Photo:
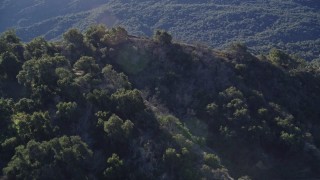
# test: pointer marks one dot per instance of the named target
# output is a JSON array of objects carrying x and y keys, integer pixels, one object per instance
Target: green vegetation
[
  {"x": 291, "y": 25},
  {"x": 102, "y": 104},
  {"x": 58, "y": 158}
]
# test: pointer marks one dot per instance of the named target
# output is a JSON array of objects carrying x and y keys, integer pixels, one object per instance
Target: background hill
[
  {"x": 103, "y": 104},
  {"x": 291, "y": 25}
]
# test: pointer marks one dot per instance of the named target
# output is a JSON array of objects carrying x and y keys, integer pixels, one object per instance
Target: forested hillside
[
  {"x": 290, "y": 25},
  {"x": 106, "y": 105}
]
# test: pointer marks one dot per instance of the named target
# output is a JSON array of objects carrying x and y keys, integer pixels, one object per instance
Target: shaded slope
[{"x": 155, "y": 109}]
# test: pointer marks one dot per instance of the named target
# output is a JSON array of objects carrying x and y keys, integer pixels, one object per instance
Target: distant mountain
[{"x": 292, "y": 25}]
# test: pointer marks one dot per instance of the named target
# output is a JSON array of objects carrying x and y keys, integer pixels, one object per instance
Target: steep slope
[
  {"x": 104, "y": 104},
  {"x": 291, "y": 25}
]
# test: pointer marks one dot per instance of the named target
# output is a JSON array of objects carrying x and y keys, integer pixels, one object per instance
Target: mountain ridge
[{"x": 292, "y": 26}]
